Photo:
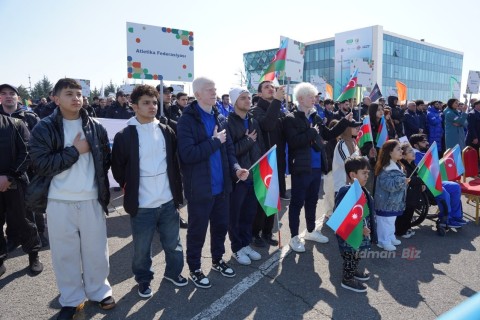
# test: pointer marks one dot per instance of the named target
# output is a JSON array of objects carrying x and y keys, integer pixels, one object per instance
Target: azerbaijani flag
[
  {"x": 365, "y": 133},
  {"x": 451, "y": 165},
  {"x": 347, "y": 218},
  {"x": 349, "y": 90},
  {"x": 277, "y": 64},
  {"x": 429, "y": 170},
  {"x": 265, "y": 182},
  {"x": 382, "y": 134}
]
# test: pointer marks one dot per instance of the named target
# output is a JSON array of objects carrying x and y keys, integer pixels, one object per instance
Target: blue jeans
[
  {"x": 304, "y": 192},
  {"x": 165, "y": 220}
]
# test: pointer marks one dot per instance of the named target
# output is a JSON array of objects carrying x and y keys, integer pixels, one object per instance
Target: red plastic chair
[{"x": 471, "y": 189}]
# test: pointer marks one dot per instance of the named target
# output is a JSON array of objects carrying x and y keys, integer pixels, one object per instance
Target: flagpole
[{"x": 266, "y": 153}]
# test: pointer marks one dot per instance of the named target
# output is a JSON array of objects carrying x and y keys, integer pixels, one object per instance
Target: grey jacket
[{"x": 390, "y": 191}]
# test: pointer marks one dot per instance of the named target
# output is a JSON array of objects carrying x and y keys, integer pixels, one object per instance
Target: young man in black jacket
[
  {"x": 248, "y": 143},
  {"x": 145, "y": 164},
  {"x": 70, "y": 154},
  {"x": 307, "y": 160},
  {"x": 269, "y": 116}
]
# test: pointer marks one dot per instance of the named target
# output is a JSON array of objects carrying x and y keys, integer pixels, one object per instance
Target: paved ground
[{"x": 439, "y": 273}]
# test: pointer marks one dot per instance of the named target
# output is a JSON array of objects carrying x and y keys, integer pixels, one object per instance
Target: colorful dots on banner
[
  {"x": 130, "y": 30},
  {"x": 184, "y": 66},
  {"x": 137, "y": 40},
  {"x": 186, "y": 37},
  {"x": 129, "y": 58}
]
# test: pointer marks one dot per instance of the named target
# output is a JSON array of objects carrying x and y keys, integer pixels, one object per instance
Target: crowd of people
[{"x": 197, "y": 151}]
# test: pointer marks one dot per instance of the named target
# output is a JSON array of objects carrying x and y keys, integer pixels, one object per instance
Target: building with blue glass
[{"x": 429, "y": 71}]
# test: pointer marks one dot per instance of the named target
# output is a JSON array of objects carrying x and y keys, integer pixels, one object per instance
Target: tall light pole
[{"x": 243, "y": 79}]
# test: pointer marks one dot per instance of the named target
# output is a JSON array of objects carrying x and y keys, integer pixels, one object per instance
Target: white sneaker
[
  {"x": 252, "y": 254},
  {"x": 241, "y": 257},
  {"x": 396, "y": 242},
  {"x": 410, "y": 233},
  {"x": 297, "y": 244},
  {"x": 387, "y": 247},
  {"x": 315, "y": 235}
]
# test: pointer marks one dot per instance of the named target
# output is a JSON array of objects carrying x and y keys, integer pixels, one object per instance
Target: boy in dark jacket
[
  {"x": 356, "y": 168},
  {"x": 248, "y": 143},
  {"x": 71, "y": 156},
  {"x": 145, "y": 164}
]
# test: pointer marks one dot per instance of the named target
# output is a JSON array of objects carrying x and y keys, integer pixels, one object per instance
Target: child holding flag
[
  {"x": 390, "y": 193},
  {"x": 356, "y": 168}
]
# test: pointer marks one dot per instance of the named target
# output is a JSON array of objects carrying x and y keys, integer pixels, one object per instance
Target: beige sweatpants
[{"x": 78, "y": 244}]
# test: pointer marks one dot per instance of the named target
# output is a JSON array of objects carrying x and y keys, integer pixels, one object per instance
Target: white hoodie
[{"x": 154, "y": 189}]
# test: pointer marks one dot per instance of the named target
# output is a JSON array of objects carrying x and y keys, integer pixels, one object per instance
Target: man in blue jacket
[{"x": 207, "y": 161}]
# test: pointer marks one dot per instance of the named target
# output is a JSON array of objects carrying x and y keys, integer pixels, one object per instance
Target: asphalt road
[{"x": 428, "y": 275}]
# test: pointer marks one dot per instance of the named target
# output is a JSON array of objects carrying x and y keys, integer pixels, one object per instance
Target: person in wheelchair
[
  {"x": 403, "y": 224},
  {"x": 451, "y": 213}
]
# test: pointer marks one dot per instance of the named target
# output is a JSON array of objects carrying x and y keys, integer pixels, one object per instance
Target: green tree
[
  {"x": 93, "y": 93},
  {"x": 23, "y": 93},
  {"x": 110, "y": 88},
  {"x": 41, "y": 89}
]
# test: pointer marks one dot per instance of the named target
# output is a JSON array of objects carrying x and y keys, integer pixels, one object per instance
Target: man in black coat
[
  {"x": 269, "y": 116},
  {"x": 473, "y": 134}
]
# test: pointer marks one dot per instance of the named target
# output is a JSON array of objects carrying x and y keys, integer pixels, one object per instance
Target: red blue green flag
[
  {"x": 265, "y": 182},
  {"x": 451, "y": 165},
  {"x": 277, "y": 64},
  {"x": 429, "y": 170},
  {"x": 365, "y": 133},
  {"x": 382, "y": 133},
  {"x": 349, "y": 90},
  {"x": 347, "y": 218}
]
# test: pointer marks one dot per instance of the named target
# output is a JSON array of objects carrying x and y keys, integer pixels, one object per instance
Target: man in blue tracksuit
[
  {"x": 207, "y": 161},
  {"x": 450, "y": 197}
]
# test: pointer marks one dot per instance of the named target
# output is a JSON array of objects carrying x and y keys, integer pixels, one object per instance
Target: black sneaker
[
  {"x": 35, "y": 266},
  {"x": 268, "y": 238},
  {"x": 67, "y": 313},
  {"x": 199, "y": 279},
  {"x": 354, "y": 285},
  {"x": 258, "y": 242},
  {"x": 178, "y": 281},
  {"x": 43, "y": 240},
  {"x": 3, "y": 269},
  {"x": 224, "y": 269},
  {"x": 362, "y": 276},
  {"x": 144, "y": 290},
  {"x": 183, "y": 223},
  {"x": 107, "y": 303}
]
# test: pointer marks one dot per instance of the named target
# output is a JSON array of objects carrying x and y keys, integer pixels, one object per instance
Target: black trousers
[
  {"x": 282, "y": 168},
  {"x": 12, "y": 205},
  {"x": 404, "y": 222},
  {"x": 262, "y": 222},
  {"x": 350, "y": 263}
]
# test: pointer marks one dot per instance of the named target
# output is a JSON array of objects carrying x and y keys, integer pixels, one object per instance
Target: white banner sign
[
  {"x": 156, "y": 53},
  {"x": 85, "y": 87},
  {"x": 294, "y": 60},
  {"x": 112, "y": 126},
  {"x": 473, "y": 81}
]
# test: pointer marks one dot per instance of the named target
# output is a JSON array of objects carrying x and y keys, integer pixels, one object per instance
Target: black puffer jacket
[
  {"x": 29, "y": 118},
  {"x": 301, "y": 136},
  {"x": 50, "y": 157},
  {"x": 247, "y": 151},
  {"x": 269, "y": 117}
]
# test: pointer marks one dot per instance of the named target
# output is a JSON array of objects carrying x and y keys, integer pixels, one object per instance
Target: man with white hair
[
  {"x": 208, "y": 162},
  {"x": 305, "y": 132}
]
